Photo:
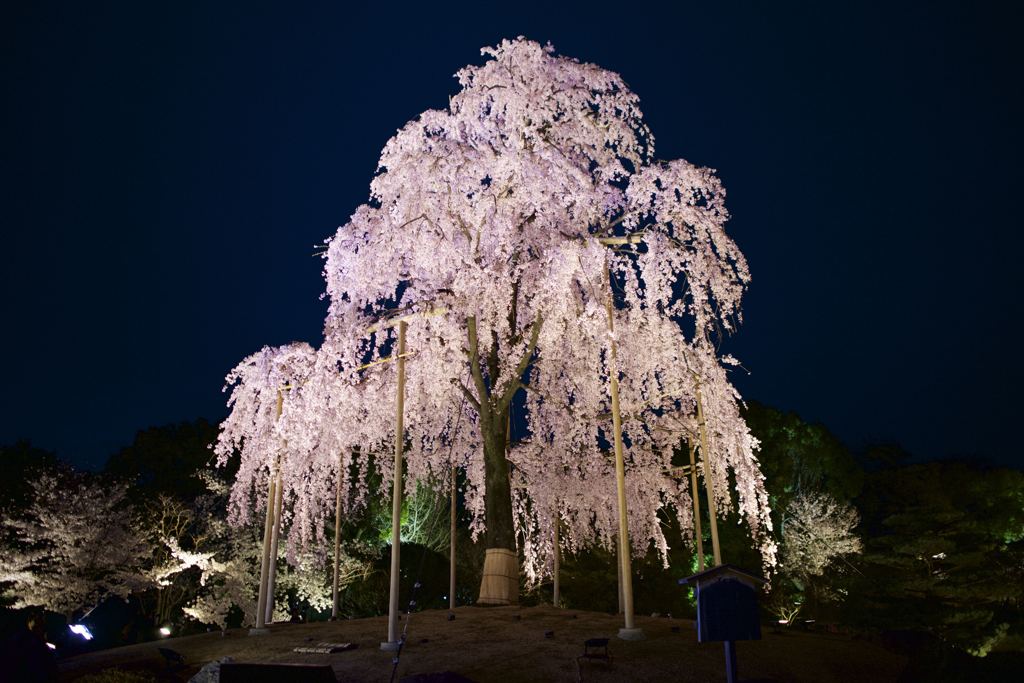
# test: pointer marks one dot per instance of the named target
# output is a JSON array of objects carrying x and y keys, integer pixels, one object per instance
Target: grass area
[{"x": 508, "y": 644}]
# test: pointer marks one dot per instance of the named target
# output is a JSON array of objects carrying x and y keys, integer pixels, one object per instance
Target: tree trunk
[
  {"x": 500, "y": 532},
  {"x": 499, "y": 584}
]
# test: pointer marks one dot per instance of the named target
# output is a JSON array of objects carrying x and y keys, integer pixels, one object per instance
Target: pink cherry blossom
[{"x": 501, "y": 227}]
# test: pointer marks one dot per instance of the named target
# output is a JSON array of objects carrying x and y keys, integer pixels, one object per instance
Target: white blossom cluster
[
  {"x": 73, "y": 546},
  {"x": 817, "y": 529}
]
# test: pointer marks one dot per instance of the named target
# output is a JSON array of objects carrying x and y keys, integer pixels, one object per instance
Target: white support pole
[
  {"x": 451, "y": 532},
  {"x": 618, "y": 574},
  {"x": 630, "y": 632},
  {"x": 695, "y": 494},
  {"x": 556, "y": 599},
  {"x": 272, "y": 576},
  {"x": 709, "y": 482},
  {"x": 268, "y": 524},
  {"x": 261, "y": 602},
  {"x": 396, "y": 496},
  {"x": 337, "y": 541}
]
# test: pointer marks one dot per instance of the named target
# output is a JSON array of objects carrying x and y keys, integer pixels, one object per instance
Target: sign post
[{"x": 726, "y": 609}]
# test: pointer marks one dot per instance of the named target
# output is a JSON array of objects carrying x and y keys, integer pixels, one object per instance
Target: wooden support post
[
  {"x": 268, "y": 523},
  {"x": 695, "y": 494},
  {"x": 618, "y": 574},
  {"x": 451, "y": 532},
  {"x": 630, "y": 632},
  {"x": 709, "y": 479},
  {"x": 272, "y": 576},
  {"x": 396, "y": 497},
  {"x": 337, "y": 540},
  {"x": 556, "y": 598}
]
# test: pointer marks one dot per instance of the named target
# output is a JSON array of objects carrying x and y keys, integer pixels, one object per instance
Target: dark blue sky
[{"x": 167, "y": 173}]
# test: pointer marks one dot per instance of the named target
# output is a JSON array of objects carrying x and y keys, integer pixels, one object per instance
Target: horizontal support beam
[
  {"x": 632, "y": 238},
  {"x": 386, "y": 360},
  {"x": 387, "y": 324}
]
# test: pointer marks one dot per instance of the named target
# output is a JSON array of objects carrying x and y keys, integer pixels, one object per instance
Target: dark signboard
[
  {"x": 727, "y": 610},
  {"x": 726, "y": 604}
]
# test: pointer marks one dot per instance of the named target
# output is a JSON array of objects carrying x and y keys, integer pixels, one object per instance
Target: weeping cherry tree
[{"x": 531, "y": 241}]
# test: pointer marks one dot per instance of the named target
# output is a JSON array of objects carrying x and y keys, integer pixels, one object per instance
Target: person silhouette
[{"x": 27, "y": 656}]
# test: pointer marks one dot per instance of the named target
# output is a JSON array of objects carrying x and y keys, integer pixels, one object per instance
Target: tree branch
[
  {"x": 514, "y": 381},
  {"x": 421, "y": 217},
  {"x": 493, "y": 363},
  {"x": 474, "y": 362},
  {"x": 469, "y": 395},
  {"x": 513, "y": 313}
]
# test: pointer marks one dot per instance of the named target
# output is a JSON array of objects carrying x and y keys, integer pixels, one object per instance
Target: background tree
[
  {"x": 796, "y": 455},
  {"x": 164, "y": 460},
  {"x": 22, "y": 464},
  {"x": 227, "y": 584},
  {"x": 817, "y": 533},
  {"x": 75, "y": 543},
  {"x": 817, "y": 530},
  {"x": 944, "y": 553},
  {"x": 227, "y": 563},
  {"x": 424, "y": 520},
  {"x": 182, "y": 540}
]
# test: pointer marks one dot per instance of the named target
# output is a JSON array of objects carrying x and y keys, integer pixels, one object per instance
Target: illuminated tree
[
  {"x": 514, "y": 229},
  {"x": 178, "y": 539},
  {"x": 260, "y": 386},
  {"x": 817, "y": 530},
  {"x": 76, "y": 543},
  {"x": 227, "y": 574},
  {"x": 233, "y": 558}
]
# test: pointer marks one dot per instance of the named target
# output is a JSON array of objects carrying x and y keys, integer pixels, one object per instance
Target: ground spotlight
[{"x": 82, "y": 630}]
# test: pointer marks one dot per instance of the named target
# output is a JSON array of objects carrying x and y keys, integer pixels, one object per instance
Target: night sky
[{"x": 167, "y": 173}]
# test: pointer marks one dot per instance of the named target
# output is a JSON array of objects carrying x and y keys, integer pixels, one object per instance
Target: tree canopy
[{"x": 532, "y": 241}]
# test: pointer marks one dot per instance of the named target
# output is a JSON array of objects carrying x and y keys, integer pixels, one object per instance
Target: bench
[{"x": 593, "y": 649}]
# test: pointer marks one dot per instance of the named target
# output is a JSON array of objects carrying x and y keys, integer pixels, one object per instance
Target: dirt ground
[{"x": 509, "y": 645}]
